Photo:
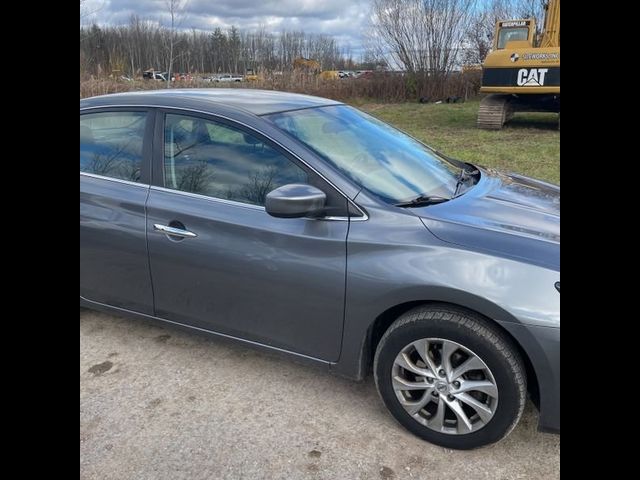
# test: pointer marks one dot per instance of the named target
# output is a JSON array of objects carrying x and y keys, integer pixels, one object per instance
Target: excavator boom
[{"x": 551, "y": 34}]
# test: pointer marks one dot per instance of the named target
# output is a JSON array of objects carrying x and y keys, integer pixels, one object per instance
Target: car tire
[{"x": 463, "y": 335}]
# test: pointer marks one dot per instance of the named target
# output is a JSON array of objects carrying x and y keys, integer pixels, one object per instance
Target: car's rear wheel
[{"x": 450, "y": 377}]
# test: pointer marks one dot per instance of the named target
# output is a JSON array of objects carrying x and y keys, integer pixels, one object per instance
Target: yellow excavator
[
  {"x": 522, "y": 72},
  {"x": 307, "y": 65}
]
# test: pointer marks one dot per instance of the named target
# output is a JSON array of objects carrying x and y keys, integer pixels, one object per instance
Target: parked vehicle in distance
[
  {"x": 303, "y": 226},
  {"x": 364, "y": 74},
  {"x": 227, "y": 78},
  {"x": 155, "y": 75}
]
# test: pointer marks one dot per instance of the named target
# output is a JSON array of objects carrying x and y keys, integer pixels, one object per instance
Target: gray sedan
[{"x": 303, "y": 226}]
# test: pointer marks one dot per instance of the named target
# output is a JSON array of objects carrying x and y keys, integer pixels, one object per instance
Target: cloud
[{"x": 343, "y": 19}]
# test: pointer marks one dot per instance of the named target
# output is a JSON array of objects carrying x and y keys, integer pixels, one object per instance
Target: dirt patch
[
  {"x": 387, "y": 473},
  {"x": 315, "y": 453},
  {"x": 101, "y": 368}
]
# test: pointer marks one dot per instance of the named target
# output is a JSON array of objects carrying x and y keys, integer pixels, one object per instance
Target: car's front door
[
  {"x": 114, "y": 185},
  {"x": 234, "y": 269}
]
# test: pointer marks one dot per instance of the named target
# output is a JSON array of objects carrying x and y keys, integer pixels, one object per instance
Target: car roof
[{"x": 258, "y": 102}]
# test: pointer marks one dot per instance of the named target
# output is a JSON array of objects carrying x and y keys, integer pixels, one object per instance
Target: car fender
[{"x": 406, "y": 266}]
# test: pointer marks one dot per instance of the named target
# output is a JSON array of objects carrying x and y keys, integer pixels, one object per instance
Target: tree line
[
  {"x": 141, "y": 45},
  {"x": 426, "y": 39}
]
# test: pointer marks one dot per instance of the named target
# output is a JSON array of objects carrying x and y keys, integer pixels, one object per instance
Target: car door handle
[{"x": 177, "y": 232}]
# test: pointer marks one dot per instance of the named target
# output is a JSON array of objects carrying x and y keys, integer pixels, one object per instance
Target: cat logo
[{"x": 531, "y": 77}]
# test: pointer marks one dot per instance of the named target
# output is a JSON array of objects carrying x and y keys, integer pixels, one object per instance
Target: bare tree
[
  {"x": 86, "y": 12},
  {"x": 260, "y": 184},
  {"x": 422, "y": 36},
  {"x": 195, "y": 177},
  {"x": 480, "y": 31},
  {"x": 532, "y": 8},
  {"x": 176, "y": 9}
]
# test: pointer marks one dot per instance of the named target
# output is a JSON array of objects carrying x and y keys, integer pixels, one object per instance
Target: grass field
[{"x": 529, "y": 144}]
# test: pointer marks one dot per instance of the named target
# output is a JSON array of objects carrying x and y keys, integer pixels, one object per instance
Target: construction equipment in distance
[
  {"x": 522, "y": 72},
  {"x": 306, "y": 65},
  {"x": 251, "y": 75}
]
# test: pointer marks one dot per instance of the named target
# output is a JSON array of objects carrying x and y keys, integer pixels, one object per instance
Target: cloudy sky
[{"x": 343, "y": 19}]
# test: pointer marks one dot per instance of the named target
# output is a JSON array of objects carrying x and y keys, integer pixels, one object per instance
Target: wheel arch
[{"x": 384, "y": 320}]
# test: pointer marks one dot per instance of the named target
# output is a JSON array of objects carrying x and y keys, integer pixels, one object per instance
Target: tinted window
[
  {"x": 111, "y": 144},
  {"x": 213, "y": 159}
]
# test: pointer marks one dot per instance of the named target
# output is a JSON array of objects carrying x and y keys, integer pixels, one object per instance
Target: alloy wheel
[{"x": 444, "y": 386}]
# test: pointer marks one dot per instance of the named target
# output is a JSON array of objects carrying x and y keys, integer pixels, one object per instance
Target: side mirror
[{"x": 295, "y": 200}]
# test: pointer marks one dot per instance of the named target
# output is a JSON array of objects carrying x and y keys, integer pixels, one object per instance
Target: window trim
[
  {"x": 146, "y": 164},
  {"x": 225, "y": 201},
  {"x": 116, "y": 180}
]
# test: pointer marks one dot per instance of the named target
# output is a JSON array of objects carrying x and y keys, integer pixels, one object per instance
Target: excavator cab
[{"x": 515, "y": 33}]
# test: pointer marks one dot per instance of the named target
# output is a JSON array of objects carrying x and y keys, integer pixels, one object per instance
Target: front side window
[
  {"x": 220, "y": 161},
  {"x": 507, "y": 35},
  {"x": 373, "y": 154},
  {"x": 111, "y": 144}
]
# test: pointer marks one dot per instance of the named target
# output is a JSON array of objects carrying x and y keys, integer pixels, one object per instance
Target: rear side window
[
  {"x": 111, "y": 144},
  {"x": 214, "y": 159}
]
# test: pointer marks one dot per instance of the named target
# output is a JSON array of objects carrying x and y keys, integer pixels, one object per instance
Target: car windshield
[{"x": 373, "y": 154}]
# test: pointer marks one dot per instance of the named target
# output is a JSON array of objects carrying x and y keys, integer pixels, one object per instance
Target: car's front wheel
[{"x": 450, "y": 377}]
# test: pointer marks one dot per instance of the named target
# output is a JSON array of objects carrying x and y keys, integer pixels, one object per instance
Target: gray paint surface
[
  {"x": 240, "y": 275},
  {"x": 314, "y": 288},
  {"x": 113, "y": 244},
  {"x": 257, "y": 102}
]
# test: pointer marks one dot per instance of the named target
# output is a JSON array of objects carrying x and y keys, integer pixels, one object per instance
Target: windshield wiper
[
  {"x": 464, "y": 175},
  {"x": 422, "y": 200}
]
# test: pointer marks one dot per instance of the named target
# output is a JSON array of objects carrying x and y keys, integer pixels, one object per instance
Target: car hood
[{"x": 509, "y": 214}]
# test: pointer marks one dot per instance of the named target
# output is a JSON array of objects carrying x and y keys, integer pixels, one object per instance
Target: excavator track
[{"x": 494, "y": 111}]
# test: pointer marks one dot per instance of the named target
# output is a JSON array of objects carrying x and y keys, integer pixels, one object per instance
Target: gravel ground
[{"x": 158, "y": 403}]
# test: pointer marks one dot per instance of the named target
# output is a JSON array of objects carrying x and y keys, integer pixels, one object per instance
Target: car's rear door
[
  {"x": 115, "y": 154},
  {"x": 235, "y": 269}
]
